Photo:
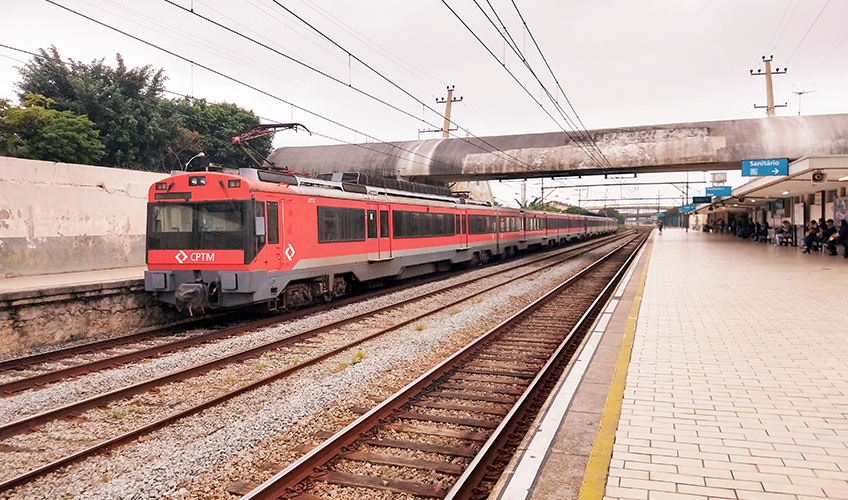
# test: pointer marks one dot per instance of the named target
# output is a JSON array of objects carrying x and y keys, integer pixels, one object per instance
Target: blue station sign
[
  {"x": 719, "y": 191},
  {"x": 685, "y": 209},
  {"x": 660, "y": 215},
  {"x": 755, "y": 168},
  {"x": 702, "y": 199}
]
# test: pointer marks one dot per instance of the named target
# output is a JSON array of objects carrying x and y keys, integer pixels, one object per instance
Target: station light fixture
[
  {"x": 753, "y": 201},
  {"x": 785, "y": 192},
  {"x": 844, "y": 178}
]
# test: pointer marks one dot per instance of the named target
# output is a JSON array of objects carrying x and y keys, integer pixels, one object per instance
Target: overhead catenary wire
[
  {"x": 808, "y": 32},
  {"x": 335, "y": 139},
  {"x": 513, "y": 47},
  {"x": 33, "y": 54},
  {"x": 366, "y": 65},
  {"x": 235, "y": 80},
  {"x": 558, "y": 85},
  {"x": 776, "y": 28},
  {"x": 582, "y": 127},
  {"x": 509, "y": 40}
]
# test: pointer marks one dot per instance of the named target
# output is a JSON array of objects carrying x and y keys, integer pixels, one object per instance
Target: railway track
[
  {"x": 117, "y": 351},
  {"x": 450, "y": 433},
  {"x": 23, "y": 425}
]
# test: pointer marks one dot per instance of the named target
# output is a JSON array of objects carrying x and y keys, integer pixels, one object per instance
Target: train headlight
[
  {"x": 197, "y": 180},
  {"x": 233, "y": 183},
  {"x": 161, "y": 186}
]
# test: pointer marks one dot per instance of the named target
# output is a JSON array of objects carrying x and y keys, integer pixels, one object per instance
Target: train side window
[
  {"x": 259, "y": 213},
  {"x": 372, "y": 224},
  {"x": 384, "y": 223},
  {"x": 340, "y": 224},
  {"x": 273, "y": 223},
  {"x": 457, "y": 225}
]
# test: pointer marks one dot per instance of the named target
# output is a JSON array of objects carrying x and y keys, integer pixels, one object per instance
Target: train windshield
[{"x": 196, "y": 226}]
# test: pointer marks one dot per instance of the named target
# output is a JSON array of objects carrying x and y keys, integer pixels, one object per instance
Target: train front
[{"x": 201, "y": 239}]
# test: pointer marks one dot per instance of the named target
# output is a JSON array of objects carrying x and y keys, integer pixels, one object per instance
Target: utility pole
[
  {"x": 769, "y": 89},
  {"x": 447, "y": 102},
  {"x": 524, "y": 193}
]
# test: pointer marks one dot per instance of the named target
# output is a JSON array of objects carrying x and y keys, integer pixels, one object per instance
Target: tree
[
  {"x": 125, "y": 104},
  {"x": 36, "y": 132},
  {"x": 216, "y": 124},
  {"x": 139, "y": 128}
]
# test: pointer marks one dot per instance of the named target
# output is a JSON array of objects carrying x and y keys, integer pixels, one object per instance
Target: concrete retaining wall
[
  {"x": 61, "y": 217},
  {"x": 35, "y": 318}
]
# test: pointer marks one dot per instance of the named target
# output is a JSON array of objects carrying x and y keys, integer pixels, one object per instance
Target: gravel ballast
[{"x": 183, "y": 459}]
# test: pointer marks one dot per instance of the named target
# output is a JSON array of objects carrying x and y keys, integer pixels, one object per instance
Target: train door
[
  {"x": 275, "y": 240},
  {"x": 385, "y": 244},
  {"x": 372, "y": 240},
  {"x": 462, "y": 229}
]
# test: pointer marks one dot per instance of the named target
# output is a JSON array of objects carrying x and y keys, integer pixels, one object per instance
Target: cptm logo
[{"x": 195, "y": 257}]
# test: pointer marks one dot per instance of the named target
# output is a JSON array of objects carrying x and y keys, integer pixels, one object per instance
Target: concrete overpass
[{"x": 719, "y": 145}]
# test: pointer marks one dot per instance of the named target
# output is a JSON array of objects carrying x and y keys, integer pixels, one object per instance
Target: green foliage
[
  {"x": 139, "y": 128},
  {"x": 215, "y": 125},
  {"x": 33, "y": 131}
]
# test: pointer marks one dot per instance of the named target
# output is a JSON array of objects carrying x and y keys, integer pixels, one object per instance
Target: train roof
[{"x": 336, "y": 186}]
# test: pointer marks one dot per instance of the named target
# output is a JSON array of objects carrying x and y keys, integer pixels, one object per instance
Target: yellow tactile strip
[{"x": 595, "y": 479}]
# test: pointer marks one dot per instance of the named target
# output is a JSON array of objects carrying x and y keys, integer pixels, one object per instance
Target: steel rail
[
  {"x": 131, "y": 435},
  {"x": 279, "y": 485},
  {"x": 463, "y": 488},
  {"x": 109, "y": 362}
]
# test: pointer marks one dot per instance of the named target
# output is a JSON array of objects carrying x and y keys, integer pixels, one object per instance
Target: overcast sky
[{"x": 620, "y": 63}]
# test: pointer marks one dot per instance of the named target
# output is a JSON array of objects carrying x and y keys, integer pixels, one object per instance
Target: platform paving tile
[{"x": 738, "y": 384}]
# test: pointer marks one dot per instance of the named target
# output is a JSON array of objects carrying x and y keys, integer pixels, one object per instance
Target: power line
[
  {"x": 808, "y": 31},
  {"x": 828, "y": 57},
  {"x": 556, "y": 80},
  {"x": 503, "y": 64},
  {"x": 788, "y": 21},
  {"x": 223, "y": 75},
  {"x": 513, "y": 46},
  {"x": 351, "y": 55},
  {"x": 776, "y": 28}
]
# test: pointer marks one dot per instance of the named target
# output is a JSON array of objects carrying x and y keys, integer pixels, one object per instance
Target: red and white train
[{"x": 222, "y": 239}]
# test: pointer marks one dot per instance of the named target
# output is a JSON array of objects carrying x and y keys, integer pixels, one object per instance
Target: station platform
[
  {"x": 719, "y": 371},
  {"x": 64, "y": 280}
]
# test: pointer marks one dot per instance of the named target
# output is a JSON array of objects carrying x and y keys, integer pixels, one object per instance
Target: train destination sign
[
  {"x": 755, "y": 168},
  {"x": 702, "y": 199},
  {"x": 719, "y": 191},
  {"x": 685, "y": 209}
]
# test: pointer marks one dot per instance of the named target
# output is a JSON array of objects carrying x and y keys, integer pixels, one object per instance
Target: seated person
[
  {"x": 829, "y": 236},
  {"x": 812, "y": 236},
  {"x": 842, "y": 237},
  {"x": 762, "y": 232},
  {"x": 784, "y": 232}
]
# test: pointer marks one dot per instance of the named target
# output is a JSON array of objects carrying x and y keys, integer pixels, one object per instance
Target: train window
[
  {"x": 273, "y": 223},
  {"x": 259, "y": 213},
  {"x": 482, "y": 224},
  {"x": 372, "y": 224},
  {"x": 384, "y": 223},
  {"x": 464, "y": 224},
  {"x": 202, "y": 226},
  {"x": 457, "y": 225},
  {"x": 510, "y": 224},
  {"x": 340, "y": 224},
  {"x": 422, "y": 224}
]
